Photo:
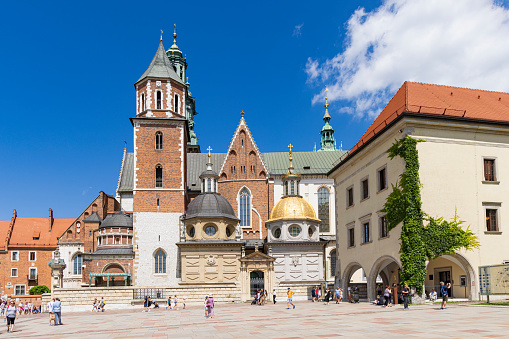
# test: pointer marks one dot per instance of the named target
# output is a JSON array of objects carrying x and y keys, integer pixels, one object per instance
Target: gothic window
[
  {"x": 245, "y": 208},
  {"x": 159, "y": 99},
  {"x": 333, "y": 263},
  {"x": 176, "y": 103},
  {"x": 160, "y": 262},
  {"x": 159, "y": 176},
  {"x": 159, "y": 140},
  {"x": 77, "y": 263},
  {"x": 323, "y": 209}
]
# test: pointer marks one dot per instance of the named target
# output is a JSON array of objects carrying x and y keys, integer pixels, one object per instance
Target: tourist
[
  {"x": 145, "y": 304},
  {"x": 169, "y": 302},
  {"x": 405, "y": 292},
  {"x": 445, "y": 294},
  {"x": 337, "y": 295},
  {"x": 274, "y": 296},
  {"x": 289, "y": 301},
  {"x": 433, "y": 296},
  {"x": 11, "y": 314},
  {"x": 349, "y": 294},
  {"x": 2, "y": 309},
  {"x": 340, "y": 295},
  {"x": 50, "y": 311},
  {"x": 319, "y": 294},
  {"x": 327, "y": 296},
  {"x": 101, "y": 305},
  {"x": 210, "y": 305},
  {"x": 387, "y": 296},
  {"x": 206, "y": 307},
  {"x": 265, "y": 296},
  {"x": 175, "y": 302},
  {"x": 94, "y": 305},
  {"x": 57, "y": 309},
  {"x": 183, "y": 303},
  {"x": 313, "y": 294},
  {"x": 378, "y": 300}
]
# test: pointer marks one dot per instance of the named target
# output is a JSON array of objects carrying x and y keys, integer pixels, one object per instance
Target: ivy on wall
[{"x": 419, "y": 242}]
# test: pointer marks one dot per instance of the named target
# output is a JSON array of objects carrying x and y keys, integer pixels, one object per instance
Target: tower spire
[
  {"x": 327, "y": 143},
  {"x": 175, "y": 34},
  {"x": 161, "y": 36}
]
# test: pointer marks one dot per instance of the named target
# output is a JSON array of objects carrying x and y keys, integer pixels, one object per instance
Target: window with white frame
[
  {"x": 159, "y": 176},
  {"x": 365, "y": 232},
  {"x": 14, "y": 272},
  {"x": 32, "y": 256},
  {"x": 20, "y": 289},
  {"x": 142, "y": 106},
  {"x": 78, "y": 227},
  {"x": 77, "y": 264},
  {"x": 160, "y": 262},
  {"x": 245, "y": 208},
  {"x": 159, "y": 140},
  {"x": 382, "y": 178},
  {"x": 176, "y": 103},
  {"x": 159, "y": 99},
  {"x": 364, "y": 189},
  {"x": 14, "y": 256},
  {"x": 32, "y": 272},
  {"x": 492, "y": 219},
  {"x": 489, "y": 169}
]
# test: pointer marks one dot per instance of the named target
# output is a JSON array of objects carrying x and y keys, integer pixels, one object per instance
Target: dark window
[
  {"x": 210, "y": 230},
  {"x": 209, "y": 185},
  {"x": 333, "y": 263},
  {"x": 19, "y": 290},
  {"x": 365, "y": 232},
  {"x": 489, "y": 170},
  {"x": 228, "y": 232},
  {"x": 159, "y": 176},
  {"x": 32, "y": 256},
  {"x": 364, "y": 189},
  {"x": 351, "y": 237},
  {"x": 286, "y": 187},
  {"x": 383, "y": 227},
  {"x": 142, "y": 102},
  {"x": 349, "y": 197},
  {"x": 277, "y": 233},
  {"x": 176, "y": 103},
  {"x": 159, "y": 99},
  {"x": 323, "y": 209},
  {"x": 159, "y": 140},
  {"x": 491, "y": 220},
  {"x": 160, "y": 262},
  {"x": 382, "y": 179}
]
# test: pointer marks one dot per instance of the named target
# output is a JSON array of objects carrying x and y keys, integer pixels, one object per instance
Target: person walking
[
  {"x": 444, "y": 290},
  {"x": 313, "y": 294},
  {"x": 387, "y": 296},
  {"x": 169, "y": 302},
  {"x": 206, "y": 307},
  {"x": 11, "y": 314},
  {"x": 289, "y": 301},
  {"x": 327, "y": 296},
  {"x": 50, "y": 311},
  {"x": 94, "y": 305},
  {"x": 210, "y": 305},
  {"x": 102, "y": 304},
  {"x": 337, "y": 295},
  {"x": 57, "y": 309},
  {"x": 274, "y": 296},
  {"x": 405, "y": 292}
]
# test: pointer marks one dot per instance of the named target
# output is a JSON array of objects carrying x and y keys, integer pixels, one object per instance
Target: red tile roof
[
  {"x": 4, "y": 228},
  {"x": 440, "y": 100},
  {"x": 25, "y": 229}
]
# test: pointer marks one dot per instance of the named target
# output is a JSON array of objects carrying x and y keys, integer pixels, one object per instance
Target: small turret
[
  {"x": 327, "y": 143},
  {"x": 175, "y": 55}
]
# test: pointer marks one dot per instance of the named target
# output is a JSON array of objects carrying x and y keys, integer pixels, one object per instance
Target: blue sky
[{"x": 68, "y": 72}]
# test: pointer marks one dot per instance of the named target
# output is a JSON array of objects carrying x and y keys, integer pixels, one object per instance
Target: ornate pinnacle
[
  {"x": 209, "y": 149},
  {"x": 242, "y": 114},
  {"x": 161, "y": 36},
  {"x": 175, "y": 34}
]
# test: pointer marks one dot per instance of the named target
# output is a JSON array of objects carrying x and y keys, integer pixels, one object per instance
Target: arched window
[
  {"x": 158, "y": 99},
  {"x": 159, "y": 140},
  {"x": 159, "y": 176},
  {"x": 245, "y": 208},
  {"x": 214, "y": 185},
  {"x": 160, "y": 262},
  {"x": 209, "y": 184},
  {"x": 333, "y": 263},
  {"x": 142, "y": 102},
  {"x": 323, "y": 209},
  {"x": 77, "y": 262},
  {"x": 176, "y": 103},
  {"x": 292, "y": 190}
]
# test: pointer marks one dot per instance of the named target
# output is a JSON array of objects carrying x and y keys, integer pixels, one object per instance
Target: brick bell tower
[{"x": 159, "y": 193}]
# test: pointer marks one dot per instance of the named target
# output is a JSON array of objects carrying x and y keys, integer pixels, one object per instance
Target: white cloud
[
  {"x": 449, "y": 42},
  {"x": 297, "y": 30}
]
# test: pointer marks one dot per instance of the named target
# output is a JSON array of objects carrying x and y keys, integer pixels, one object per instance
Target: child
[
  {"x": 175, "y": 301},
  {"x": 94, "y": 305},
  {"x": 184, "y": 303},
  {"x": 206, "y": 309},
  {"x": 169, "y": 302}
]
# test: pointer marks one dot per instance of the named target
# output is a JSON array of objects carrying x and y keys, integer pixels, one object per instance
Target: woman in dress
[{"x": 210, "y": 305}]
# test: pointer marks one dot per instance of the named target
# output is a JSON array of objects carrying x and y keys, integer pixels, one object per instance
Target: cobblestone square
[{"x": 307, "y": 320}]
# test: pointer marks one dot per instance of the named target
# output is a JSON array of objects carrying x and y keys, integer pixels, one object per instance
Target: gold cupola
[{"x": 292, "y": 205}]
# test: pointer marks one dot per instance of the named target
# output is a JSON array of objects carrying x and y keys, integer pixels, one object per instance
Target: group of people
[
  {"x": 98, "y": 305},
  {"x": 328, "y": 296},
  {"x": 173, "y": 304},
  {"x": 26, "y": 308},
  {"x": 261, "y": 297}
]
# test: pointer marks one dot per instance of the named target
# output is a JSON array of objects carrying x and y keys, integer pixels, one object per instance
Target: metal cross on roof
[
  {"x": 209, "y": 149},
  {"x": 242, "y": 113}
]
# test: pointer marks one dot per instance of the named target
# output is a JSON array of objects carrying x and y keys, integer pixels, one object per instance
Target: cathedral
[{"x": 181, "y": 218}]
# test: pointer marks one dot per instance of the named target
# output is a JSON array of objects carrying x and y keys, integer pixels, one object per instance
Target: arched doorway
[
  {"x": 385, "y": 271},
  {"x": 112, "y": 268},
  {"x": 454, "y": 269},
  {"x": 354, "y": 277},
  {"x": 257, "y": 282}
]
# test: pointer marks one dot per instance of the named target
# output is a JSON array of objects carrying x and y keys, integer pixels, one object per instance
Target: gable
[
  {"x": 243, "y": 159},
  {"x": 257, "y": 256}
]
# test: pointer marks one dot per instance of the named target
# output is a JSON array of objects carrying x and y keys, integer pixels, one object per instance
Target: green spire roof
[
  {"x": 327, "y": 143},
  {"x": 160, "y": 67}
]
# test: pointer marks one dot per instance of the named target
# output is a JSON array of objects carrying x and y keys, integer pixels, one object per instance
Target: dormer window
[
  {"x": 159, "y": 140},
  {"x": 158, "y": 99}
]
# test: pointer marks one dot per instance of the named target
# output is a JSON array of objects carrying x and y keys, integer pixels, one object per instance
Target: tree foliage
[
  {"x": 419, "y": 242},
  {"x": 38, "y": 290}
]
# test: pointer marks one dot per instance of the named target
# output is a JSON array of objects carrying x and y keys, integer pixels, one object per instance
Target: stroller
[{"x": 355, "y": 296}]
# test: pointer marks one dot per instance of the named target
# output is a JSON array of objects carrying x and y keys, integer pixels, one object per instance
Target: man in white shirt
[{"x": 50, "y": 311}]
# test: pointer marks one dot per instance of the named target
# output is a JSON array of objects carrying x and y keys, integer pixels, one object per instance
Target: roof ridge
[{"x": 121, "y": 169}]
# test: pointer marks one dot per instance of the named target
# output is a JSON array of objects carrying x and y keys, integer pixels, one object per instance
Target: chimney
[{"x": 50, "y": 219}]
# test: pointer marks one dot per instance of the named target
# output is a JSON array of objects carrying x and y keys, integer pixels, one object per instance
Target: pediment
[{"x": 257, "y": 256}]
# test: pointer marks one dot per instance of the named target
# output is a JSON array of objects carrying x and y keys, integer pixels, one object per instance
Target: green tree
[
  {"x": 39, "y": 289},
  {"x": 419, "y": 242}
]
